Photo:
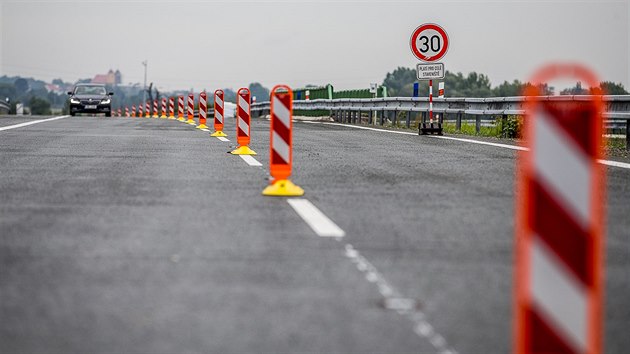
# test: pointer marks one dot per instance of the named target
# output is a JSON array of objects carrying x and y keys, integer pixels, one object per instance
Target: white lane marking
[
  {"x": 392, "y": 300},
  {"x": 223, "y": 139},
  {"x": 505, "y": 146},
  {"x": 250, "y": 160},
  {"x": 31, "y": 123},
  {"x": 319, "y": 222},
  {"x": 204, "y": 129}
]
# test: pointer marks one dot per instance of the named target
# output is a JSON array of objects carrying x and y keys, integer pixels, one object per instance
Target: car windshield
[{"x": 90, "y": 90}]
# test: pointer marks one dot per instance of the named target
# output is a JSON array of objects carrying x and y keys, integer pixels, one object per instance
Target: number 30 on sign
[{"x": 429, "y": 42}]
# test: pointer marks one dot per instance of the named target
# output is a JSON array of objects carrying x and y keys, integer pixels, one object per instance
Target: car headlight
[
  {"x": 106, "y": 101},
  {"x": 74, "y": 101}
]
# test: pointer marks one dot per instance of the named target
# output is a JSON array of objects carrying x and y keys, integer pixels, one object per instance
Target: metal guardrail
[
  {"x": 4, "y": 108},
  {"x": 617, "y": 108}
]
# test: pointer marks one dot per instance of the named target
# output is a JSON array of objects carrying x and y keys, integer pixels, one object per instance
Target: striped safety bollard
[
  {"x": 171, "y": 107},
  {"x": 163, "y": 115},
  {"x": 203, "y": 110},
  {"x": 126, "y": 111},
  {"x": 147, "y": 110},
  {"x": 191, "y": 109},
  {"x": 113, "y": 113},
  {"x": 133, "y": 111},
  {"x": 560, "y": 221},
  {"x": 180, "y": 109},
  {"x": 140, "y": 110},
  {"x": 281, "y": 141},
  {"x": 119, "y": 112},
  {"x": 218, "y": 114},
  {"x": 155, "y": 109},
  {"x": 243, "y": 118}
]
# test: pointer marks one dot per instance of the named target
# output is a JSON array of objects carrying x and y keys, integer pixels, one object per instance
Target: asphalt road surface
[{"x": 144, "y": 235}]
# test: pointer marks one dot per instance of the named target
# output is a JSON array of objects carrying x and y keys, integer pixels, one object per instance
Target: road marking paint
[
  {"x": 392, "y": 300},
  {"x": 505, "y": 146},
  {"x": 31, "y": 123},
  {"x": 204, "y": 129},
  {"x": 223, "y": 139},
  {"x": 319, "y": 222},
  {"x": 250, "y": 160}
]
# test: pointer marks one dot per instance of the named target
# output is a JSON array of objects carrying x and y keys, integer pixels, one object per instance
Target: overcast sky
[{"x": 212, "y": 44}]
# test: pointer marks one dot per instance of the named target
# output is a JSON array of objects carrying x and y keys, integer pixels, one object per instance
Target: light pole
[{"x": 144, "y": 88}]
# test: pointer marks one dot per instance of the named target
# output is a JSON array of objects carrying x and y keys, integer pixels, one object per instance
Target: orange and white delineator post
[
  {"x": 140, "y": 110},
  {"x": 281, "y": 140},
  {"x": 147, "y": 110},
  {"x": 560, "y": 221},
  {"x": 155, "y": 109},
  {"x": 133, "y": 110},
  {"x": 119, "y": 112},
  {"x": 163, "y": 116},
  {"x": 180, "y": 109},
  {"x": 243, "y": 118},
  {"x": 191, "y": 109},
  {"x": 126, "y": 111},
  {"x": 218, "y": 114},
  {"x": 203, "y": 110},
  {"x": 171, "y": 107}
]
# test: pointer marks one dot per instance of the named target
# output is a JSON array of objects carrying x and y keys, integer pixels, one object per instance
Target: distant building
[{"x": 111, "y": 78}]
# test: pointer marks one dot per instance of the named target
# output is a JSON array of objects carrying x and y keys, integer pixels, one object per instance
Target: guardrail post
[
  {"x": 627, "y": 134},
  {"x": 458, "y": 122},
  {"x": 408, "y": 119},
  {"x": 383, "y": 118},
  {"x": 477, "y": 123}
]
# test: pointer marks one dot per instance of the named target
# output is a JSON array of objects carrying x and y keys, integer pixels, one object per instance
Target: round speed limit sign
[{"x": 429, "y": 42}]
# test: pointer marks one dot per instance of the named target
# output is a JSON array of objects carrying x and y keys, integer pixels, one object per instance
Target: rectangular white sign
[{"x": 430, "y": 71}]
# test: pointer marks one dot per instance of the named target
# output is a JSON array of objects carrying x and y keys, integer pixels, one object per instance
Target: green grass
[{"x": 469, "y": 129}]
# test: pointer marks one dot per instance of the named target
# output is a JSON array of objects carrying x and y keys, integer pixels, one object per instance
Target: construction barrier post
[
  {"x": 126, "y": 111},
  {"x": 147, "y": 110},
  {"x": 203, "y": 110},
  {"x": 119, "y": 112},
  {"x": 191, "y": 109},
  {"x": 281, "y": 152},
  {"x": 171, "y": 107},
  {"x": 163, "y": 116},
  {"x": 243, "y": 115},
  {"x": 140, "y": 110},
  {"x": 180, "y": 109},
  {"x": 560, "y": 221},
  {"x": 218, "y": 114},
  {"x": 133, "y": 111}
]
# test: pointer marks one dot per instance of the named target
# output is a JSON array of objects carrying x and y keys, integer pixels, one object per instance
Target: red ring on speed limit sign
[{"x": 443, "y": 42}]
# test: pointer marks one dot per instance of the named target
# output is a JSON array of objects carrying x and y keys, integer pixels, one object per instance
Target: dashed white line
[
  {"x": 250, "y": 160},
  {"x": 392, "y": 300},
  {"x": 223, "y": 139},
  {"x": 504, "y": 146},
  {"x": 319, "y": 222},
  {"x": 203, "y": 129},
  {"x": 31, "y": 123}
]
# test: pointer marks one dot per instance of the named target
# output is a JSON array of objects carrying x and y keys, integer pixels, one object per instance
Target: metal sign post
[{"x": 429, "y": 43}]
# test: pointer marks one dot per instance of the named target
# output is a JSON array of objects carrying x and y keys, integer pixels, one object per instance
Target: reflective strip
[
  {"x": 559, "y": 297},
  {"x": 282, "y": 112},
  {"x": 219, "y": 116},
  {"x": 281, "y": 147},
  {"x": 218, "y": 101},
  {"x": 243, "y": 104},
  {"x": 562, "y": 167},
  {"x": 243, "y": 125}
]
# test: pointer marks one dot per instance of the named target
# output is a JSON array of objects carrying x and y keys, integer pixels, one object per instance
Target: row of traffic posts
[{"x": 281, "y": 129}]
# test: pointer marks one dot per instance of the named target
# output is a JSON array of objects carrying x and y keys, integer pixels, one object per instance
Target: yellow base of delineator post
[
  {"x": 218, "y": 133},
  {"x": 171, "y": 117},
  {"x": 155, "y": 116},
  {"x": 147, "y": 116},
  {"x": 243, "y": 150},
  {"x": 163, "y": 116},
  {"x": 202, "y": 126},
  {"x": 283, "y": 188},
  {"x": 181, "y": 119},
  {"x": 191, "y": 122}
]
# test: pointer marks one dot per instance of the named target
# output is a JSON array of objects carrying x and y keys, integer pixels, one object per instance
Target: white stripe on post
[
  {"x": 218, "y": 101},
  {"x": 243, "y": 104},
  {"x": 562, "y": 167},
  {"x": 281, "y": 147},
  {"x": 560, "y": 297},
  {"x": 244, "y": 127},
  {"x": 219, "y": 117},
  {"x": 281, "y": 112}
]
